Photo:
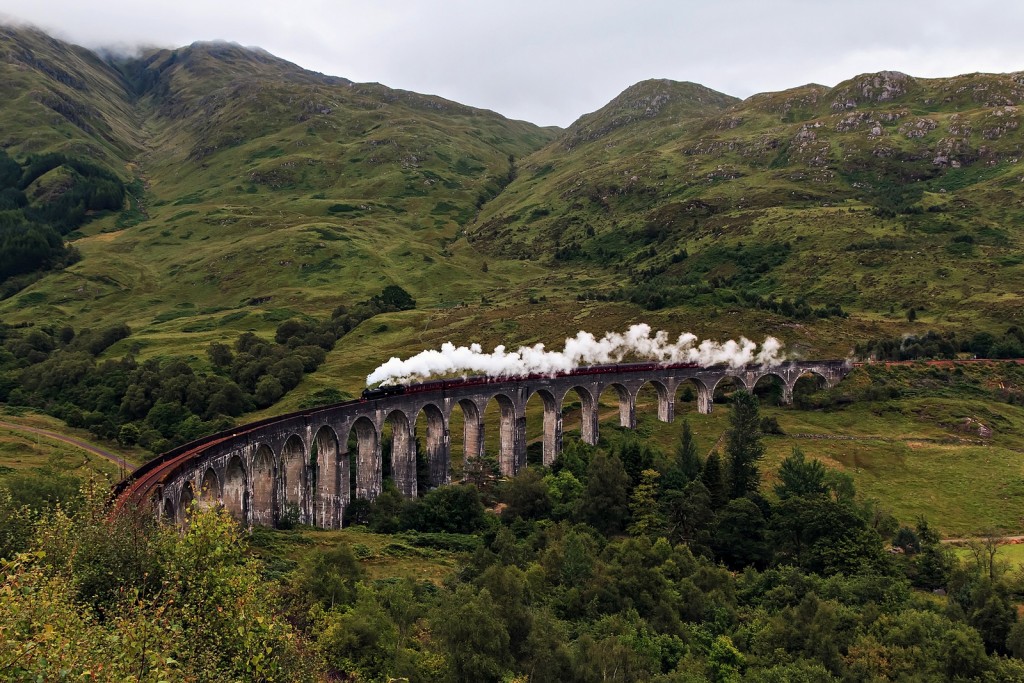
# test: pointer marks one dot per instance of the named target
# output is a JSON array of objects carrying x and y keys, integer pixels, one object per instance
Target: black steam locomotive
[{"x": 383, "y": 392}]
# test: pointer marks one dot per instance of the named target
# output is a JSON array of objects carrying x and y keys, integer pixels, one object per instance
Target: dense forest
[
  {"x": 947, "y": 345},
  {"x": 161, "y": 403},
  {"x": 620, "y": 563},
  {"x": 43, "y": 200}
]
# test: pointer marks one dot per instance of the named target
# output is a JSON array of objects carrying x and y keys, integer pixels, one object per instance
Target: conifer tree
[
  {"x": 686, "y": 454},
  {"x": 687, "y": 465},
  {"x": 636, "y": 456},
  {"x": 713, "y": 479},
  {"x": 744, "y": 448}
]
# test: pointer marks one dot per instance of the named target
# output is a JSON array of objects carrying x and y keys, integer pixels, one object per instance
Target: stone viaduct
[{"x": 299, "y": 464}]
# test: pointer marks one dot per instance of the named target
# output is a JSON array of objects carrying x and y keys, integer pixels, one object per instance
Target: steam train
[{"x": 478, "y": 380}]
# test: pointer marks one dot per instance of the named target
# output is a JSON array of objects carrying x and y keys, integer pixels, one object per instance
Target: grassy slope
[
  {"x": 21, "y": 450},
  {"x": 804, "y": 166},
  {"x": 903, "y": 459},
  {"x": 382, "y": 556},
  {"x": 271, "y": 183},
  {"x": 266, "y": 182},
  {"x": 59, "y": 97}
]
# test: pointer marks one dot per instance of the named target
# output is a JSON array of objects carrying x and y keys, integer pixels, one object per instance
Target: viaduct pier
[{"x": 311, "y": 463}]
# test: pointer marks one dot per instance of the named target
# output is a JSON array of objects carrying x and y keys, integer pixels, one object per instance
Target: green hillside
[
  {"x": 60, "y": 97},
  {"x": 259, "y": 191},
  {"x": 882, "y": 194}
]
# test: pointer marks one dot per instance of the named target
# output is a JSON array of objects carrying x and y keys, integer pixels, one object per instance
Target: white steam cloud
[{"x": 583, "y": 349}]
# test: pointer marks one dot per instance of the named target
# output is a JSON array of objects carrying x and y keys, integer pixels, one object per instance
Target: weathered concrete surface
[{"x": 301, "y": 465}]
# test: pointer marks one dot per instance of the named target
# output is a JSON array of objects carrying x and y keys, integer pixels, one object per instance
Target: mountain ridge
[
  {"x": 647, "y": 99},
  {"x": 316, "y": 174},
  {"x": 907, "y": 152}
]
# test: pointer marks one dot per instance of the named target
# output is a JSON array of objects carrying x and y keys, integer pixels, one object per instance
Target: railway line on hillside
[{"x": 72, "y": 441}]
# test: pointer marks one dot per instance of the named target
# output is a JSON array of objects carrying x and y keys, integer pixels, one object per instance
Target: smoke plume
[{"x": 583, "y": 349}]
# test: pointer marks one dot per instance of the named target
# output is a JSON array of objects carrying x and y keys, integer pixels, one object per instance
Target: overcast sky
[{"x": 551, "y": 61}]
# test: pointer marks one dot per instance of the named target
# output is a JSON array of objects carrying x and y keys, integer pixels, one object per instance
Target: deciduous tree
[
  {"x": 799, "y": 476},
  {"x": 643, "y": 507}
]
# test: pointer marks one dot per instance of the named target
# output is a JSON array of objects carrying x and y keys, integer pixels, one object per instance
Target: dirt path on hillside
[
  {"x": 1000, "y": 540},
  {"x": 947, "y": 440},
  {"x": 78, "y": 443}
]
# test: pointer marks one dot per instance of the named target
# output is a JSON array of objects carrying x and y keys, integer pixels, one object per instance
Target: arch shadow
[
  {"x": 403, "y": 452},
  {"x": 627, "y": 409},
  {"x": 510, "y": 437},
  {"x": 368, "y": 460},
  {"x": 770, "y": 389},
  {"x": 665, "y": 400},
  {"x": 438, "y": 450},
  {"x": 292, "y": 475},
  {"x": 235, "y": 497},
  {"x": 725, "y": 386},
  {"x": 264, "y": 504},
  {"x": 185, "y": 499},
  {"x": 209, "y": 490},
  {"x": 472, "y": 436},
  {"x": 588, "y": 413},
  {"x": 329, "y": 474},
  {"x": 693, "y": 393},
  {"x": 551, "y": 429}
]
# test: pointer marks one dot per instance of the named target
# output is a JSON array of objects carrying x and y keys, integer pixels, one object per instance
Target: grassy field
[
  {"x": 49, "y": 461},
  {"x": 1009, "y": 555},
  {"x": 907, "y": 455},
  {"x": 909, "y": 466},
  {"x": 897, "y": 455},
  {"x": 382, "y": 556},
  {"x": 22, "y": 451}
]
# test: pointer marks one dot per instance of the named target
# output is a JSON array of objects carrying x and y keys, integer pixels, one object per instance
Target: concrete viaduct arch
[{"x": 309, "y": 465}]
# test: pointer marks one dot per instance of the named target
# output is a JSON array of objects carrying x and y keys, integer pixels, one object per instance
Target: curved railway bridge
[{"x": 301, "y": 461}]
